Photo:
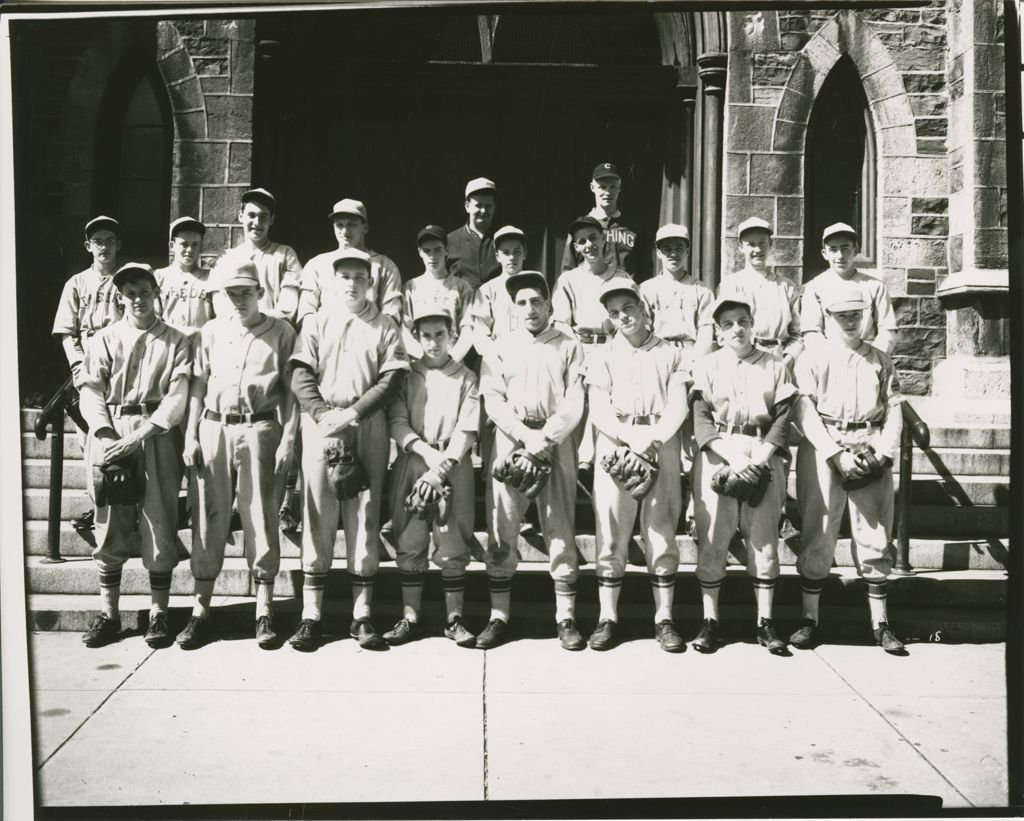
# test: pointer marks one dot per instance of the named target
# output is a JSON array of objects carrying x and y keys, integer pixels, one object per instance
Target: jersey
[
  {"x": 847, "y": 385},
  {"x": 638, "y": 379},
  {"x": 87, "y": 304},
  {"x": 433, "y": 403},
  {"x": 576, "y": 300},
  {"x": 679, "y": 307},
  {"x": 186, "y": 301},
  {"x": 621, "y": 247},
  {"x": 277, "y": 267},
  {"x": 742, "y": 390},
  {"x": 471, "y": 256},
  {"x": 454, "y": 294},
  {"x": 878, "y": 316},
  {"x": 244, "y": 367},
  {"x": 493, "y": 312},
  {"x": 385, "y": 284},
  {"x": 773, "y": 300}
]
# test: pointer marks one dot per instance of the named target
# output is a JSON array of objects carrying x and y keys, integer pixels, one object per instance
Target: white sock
[
  {"x": 709, "y": 598},
  {"x": 764, "y": 593},
  {"x": 810, "y": 595},
  {"x": 264, "y": 597},
  {"x": 663, "y": 588},
  {"x": 877, "y": 602},
  {"x": 110, "y": 598},
  {"x": 159, "y": 591},
  {"x": 608, "y": 597},
  {"x": 362, "y": 597},
  {"x": 313, "y": 595},
  {"x": 454, "y": 594},
  {"x": 565, "y": 600},
  {"x": 412, "y": 595},
  {"x": 501, "y": 598},
  {"x": 203, "y": 597}
]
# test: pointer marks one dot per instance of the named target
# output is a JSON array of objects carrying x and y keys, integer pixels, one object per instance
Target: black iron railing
[{"x": 915, "y": 431}]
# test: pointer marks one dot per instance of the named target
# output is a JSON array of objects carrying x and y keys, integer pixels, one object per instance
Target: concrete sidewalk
[{"x": 230, "y": 724}]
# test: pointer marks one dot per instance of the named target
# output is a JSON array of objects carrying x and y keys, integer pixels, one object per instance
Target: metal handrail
[{"x": 915, "y": 431}]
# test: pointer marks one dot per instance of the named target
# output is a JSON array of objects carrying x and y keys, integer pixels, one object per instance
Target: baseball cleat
[
  {"x": 403, "y": 631},
  {"x": 157, "y": 634},
  {"x": 668, "y": 637},
  {"x": 805, "y": 636},
  {"x": 265, "y": 635},
  {"x": 457, "y": 631},
  {"x": 887, "y": 640},
  {"x": 707, "y": 638},
  {"x": 84, "y": 522},
  {"x": 603, "y": 637},
  {"x": 194, "y": 634},
  {"x": 492, "y": 635},
  {"x": 307, "y": 637},
  {"x": 569, "y": 635},
  {"x": 767, "y": 637},
  {"x": 102, "y": 630},
  {"x": 369, "y": 639}
]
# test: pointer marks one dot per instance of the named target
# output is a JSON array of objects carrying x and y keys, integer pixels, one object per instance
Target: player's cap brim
[
  {"x": 725, "y": 303},
  {"x": 186, "y": 224},
  {"x": 132, "y": 270},
  {"x": 527, "y": 279},
  {"x": 100, "y": 223}
]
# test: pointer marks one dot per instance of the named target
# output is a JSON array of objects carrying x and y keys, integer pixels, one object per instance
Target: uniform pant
[
  {"x": 615, "y": 511},
  {"x": 157, "y": 462},
  {"x": 237, "y": 459},
  {"x": 719, "y": 517},
  {"x": 322, "y": 508},
  {"x": 453, "y": 539},
  {"x": 585, "y": 434},
  {"x": 822, "y": 501},
  {"x": 556, "y": 511}
]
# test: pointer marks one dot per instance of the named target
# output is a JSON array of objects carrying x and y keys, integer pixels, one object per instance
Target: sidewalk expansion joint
[
  {"x": 896, "y": 730},
  {"x": 483, "y": 697}
]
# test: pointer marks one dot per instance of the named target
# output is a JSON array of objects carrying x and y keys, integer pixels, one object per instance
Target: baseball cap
[
  {"x": 672, "y": 230},
  {"x": 606, "y": 169},
  {"x": 620, "y": 286},
  {"x": 130, "y": 268},
  {"x": 752, "y": 224},
  {"x": 586, "y": 221},
  {"x": 240, "y": 274},
  {"x": 723, "y": 303},
  {"x": 845, "y": 299},
  {"x": 101, "y": 222},
  {"x": 187, "y": 224},
  {"x": 261, "y": 196},
  {"x": 479, "y": 184},
  {"x": 838, "y": 228},
  {"x": 353, "y": 208},
  {"x": 432, "y": 232},
  {"x": 526, "y": 279},
  {"x": 351, "y": 253},
  {"x": 429, "y": 310},
  {"x": 508, "y": 231}
]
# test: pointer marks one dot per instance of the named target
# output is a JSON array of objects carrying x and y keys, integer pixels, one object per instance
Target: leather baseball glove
[
  {"x": 344, "y": 470},
  {"x": 726, "y": 482},
  {"x": 429, "y": 498},
  {"x": 117, "y": 484},
  {"x": 865, "y": 456},
  {"x": 523, "y": 471},
  {"x": 633, "y": 472}
]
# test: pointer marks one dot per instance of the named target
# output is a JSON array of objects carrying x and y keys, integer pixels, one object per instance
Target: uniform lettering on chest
[{"x": 621, "y": 236}]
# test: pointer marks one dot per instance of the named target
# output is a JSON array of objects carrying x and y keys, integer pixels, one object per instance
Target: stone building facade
[{"x": 751, "y": 99}]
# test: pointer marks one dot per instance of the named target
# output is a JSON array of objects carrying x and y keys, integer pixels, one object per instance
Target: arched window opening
[{"x": 839, "y": 169}]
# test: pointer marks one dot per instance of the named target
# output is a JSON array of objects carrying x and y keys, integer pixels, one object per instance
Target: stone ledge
[{"x": 975, "y": 281}]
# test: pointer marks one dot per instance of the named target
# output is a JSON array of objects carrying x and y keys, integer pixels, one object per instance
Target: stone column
[
  {"x": 712, "y": 73},
  {"x": 975, "y": 295},
  {"x": 677, "y": 190}
]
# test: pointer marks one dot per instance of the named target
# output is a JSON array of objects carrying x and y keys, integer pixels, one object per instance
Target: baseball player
[
  {"x": 576, "y": 302},
  {"x": 348, "y": 363},
  {"x": 87, "y": 304},
  {"x": 471, "y": 247},
  {"x": 433, "y": 420},
  {"x": 239, "y": 440},
  {"x": 134, "y": 386},
  {"x": 840, "y": 246},
  {"x": 276, "y": 264},
  {"x": 849, "y": 400},
  {"x": 440, "y": 288},
  {"x": 678, "y": 302},
  {"x": 742, "y": 397},
  {"x": 532, "y": 389},
  {"x": 773, "y": 299},
  {"x": 350, "y": 229},
  {"x": 185, "y": 301},
  {"x": 637, "y": 388},
  {"x": 621, "y": 248}
]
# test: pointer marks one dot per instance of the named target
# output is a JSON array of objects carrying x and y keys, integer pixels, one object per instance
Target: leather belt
[
  {"x": 745, "y": 430},
  {"x": 439, "y": 445},
  {"x": 643, "y": 419},
  {"x": 239, "y": 418},
  {"x": 679, "y": 341},
  {"x": 592, "y": 336},
  {"x": 137, "y": 409},
  {"x": 844, "y": 425},
  {"x": 768, "y": 341},
  {"x": 534, "y": 424}
]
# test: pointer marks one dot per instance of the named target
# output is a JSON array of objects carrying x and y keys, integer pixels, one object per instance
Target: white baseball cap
[
  {"x": 230, "y": 276},
  {"x": 187, "y": 224},
  {"x": 354, "y": 208},
  {"x": 351, "y": 253},
  {"x": 474, "y": 186},
  {"x": 838, "y": 228},
  {"x": 672, "y": 230},
  {"x": 508, "y": 231},
  {"x": 619, "y": 285},
  {"x": 100, "y": 222},
  {"x": 754, "y": 223},
  {"x": 845, "y": 299}
]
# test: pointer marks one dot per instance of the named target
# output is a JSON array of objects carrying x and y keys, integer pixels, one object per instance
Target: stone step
[
  {"x": 931, "y": 554},
  {"x": 973, "y": 588},
  {"x": 35, "y": 473},
  {"x": 957, "y": 522},
  {"x": 235, "y": 617},
  {"x": 29, "y": 416},
  {"x": 32, "y": 448},
  {"x": 940, "y": 412},
  {"x": 963, "y": 462},
  {"x": 969, "y": 436}
]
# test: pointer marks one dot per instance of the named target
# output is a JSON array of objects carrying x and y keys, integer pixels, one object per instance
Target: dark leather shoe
[
  {"x": 84, "y": 522},
  {"x": 266, "y": 638},
  {"x": 603, "y": 637},
  {"x": 307, "y": 636},
  {"x": 805, "y": 636},
  {"x": 767, "y": 637},
  {"x": 403, "y": 631},
  {"x": 569, "y": 635},
  {"x": 492, "y": 635},
  {"x": 157, "y": 634},
  {"x": 887, "y": 640},
  {"x": 457, "y": 631},
  {"x": 102, "y": 630},
  {"x": 668, "y": 637},
  {"x": 369, "y": 639},
  {"x": 289, "y": 522},
  {"x": 194, "y": 634},
  {"x": 707, "y": 638}
]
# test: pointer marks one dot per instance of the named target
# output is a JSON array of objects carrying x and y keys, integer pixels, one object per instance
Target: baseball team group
[{"x": 273, "y": 385}]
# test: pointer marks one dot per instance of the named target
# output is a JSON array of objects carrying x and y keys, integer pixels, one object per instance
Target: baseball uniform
[
  {"x": 471, "y": 256},
  {"x": 775, "y": 304},
  {"x": 185, "y": 299},
  {"x": 88, "y": 303},
  {"x": 385, "y": 284},
  {"x": 279, "y": 270},
  {"x": 621, "y": 247},
  {"x": 879, "y": 325},
  {"x": 678, "y": 307},
  {"x": 452, "y": 294}
]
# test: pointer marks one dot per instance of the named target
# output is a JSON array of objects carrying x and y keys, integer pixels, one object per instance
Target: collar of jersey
[
  {"x": 620, "y": 341},
  {"x": 447, "y": 369}
]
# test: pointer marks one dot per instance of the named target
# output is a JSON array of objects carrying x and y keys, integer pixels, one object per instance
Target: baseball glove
[
  {"x": 865, "y": 456},
  {"x": 428, "y": 499},
  {"x": 726, "y": 482},
  {"x": 524, "y": 472},
  {"x": 634, "y": 473},
  {"x": 345, "y": 471},
  {"x": 117, "y": 484}
]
